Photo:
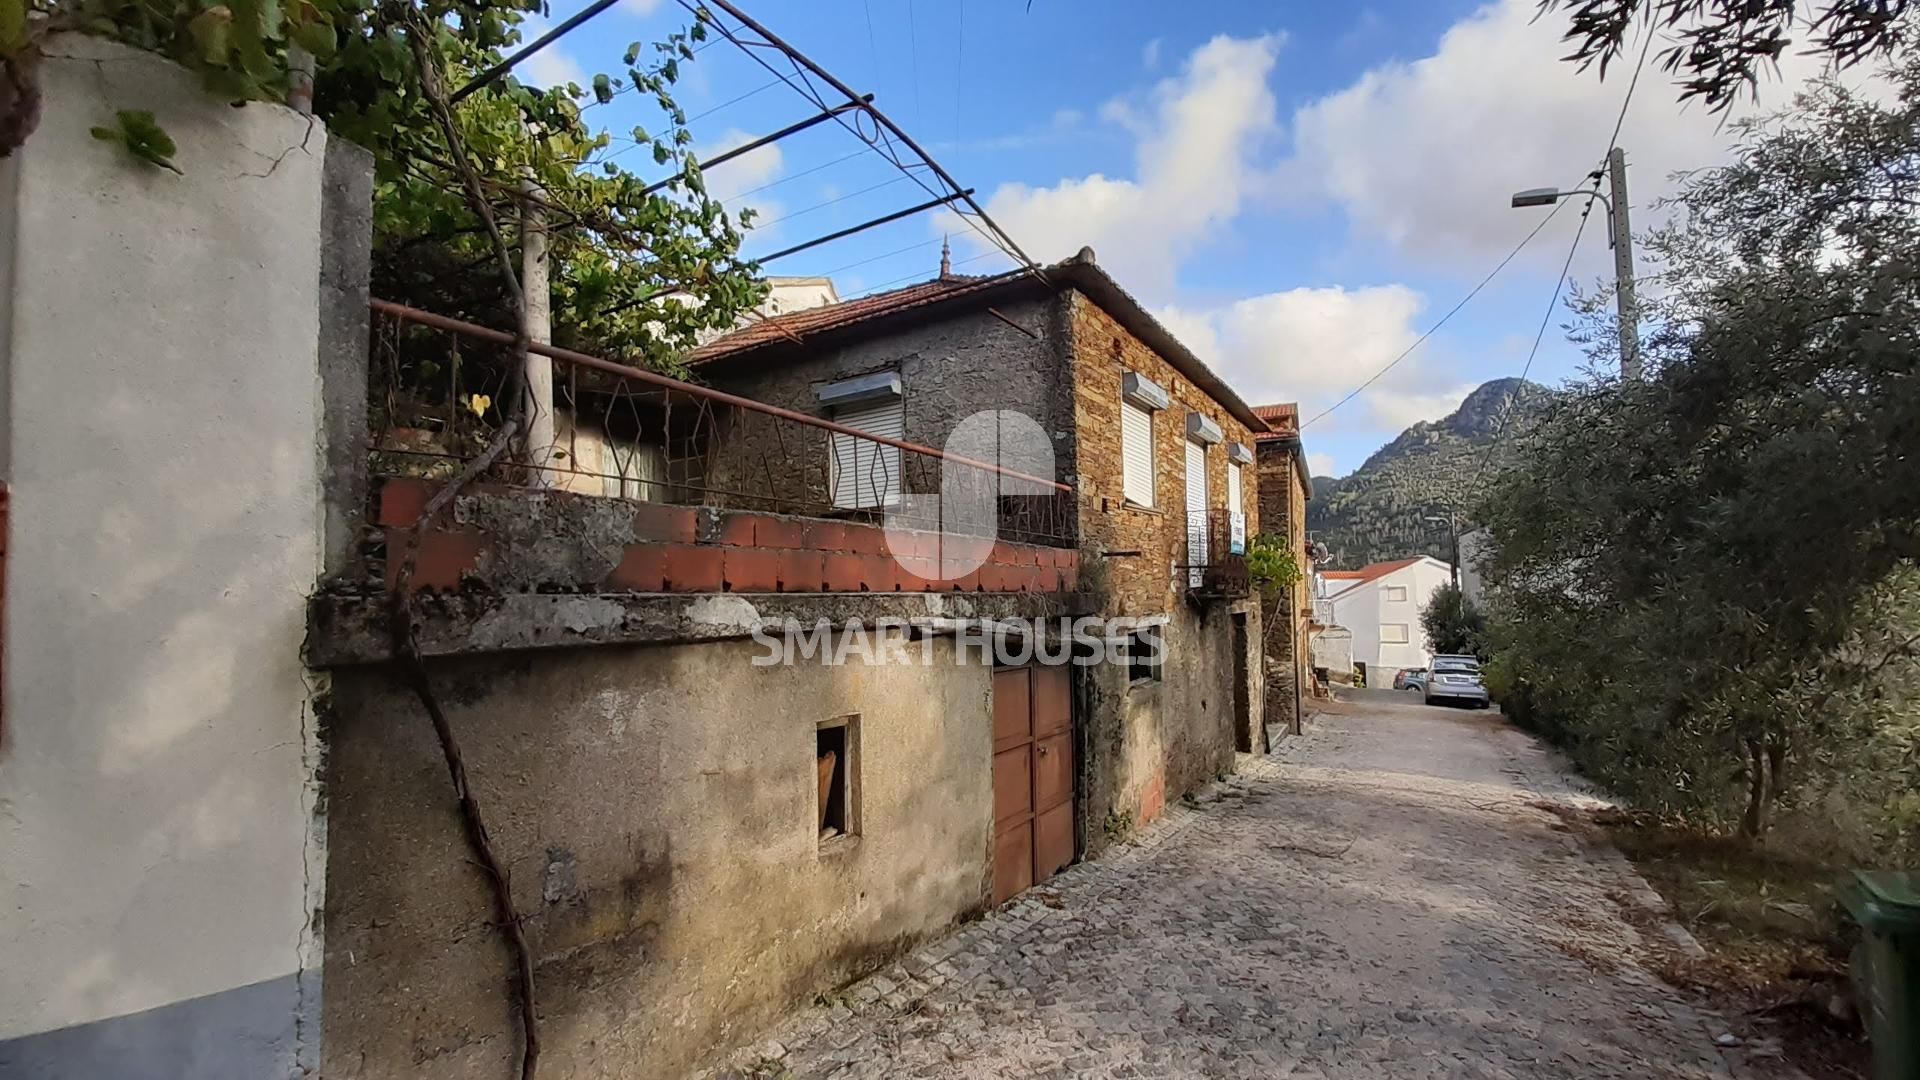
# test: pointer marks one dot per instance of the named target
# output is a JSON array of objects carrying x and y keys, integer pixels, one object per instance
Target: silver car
[{"x": 1455, "y": 678}]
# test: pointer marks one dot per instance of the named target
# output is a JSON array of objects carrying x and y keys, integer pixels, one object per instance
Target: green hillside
[{"x": 1377, "y": 512}]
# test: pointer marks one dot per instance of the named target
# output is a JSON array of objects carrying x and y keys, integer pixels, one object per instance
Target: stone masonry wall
[
  {"x": 1283, "y": 512},
  {"x": 1148, "y": 743},
  {"x": 949, "y": 369}
]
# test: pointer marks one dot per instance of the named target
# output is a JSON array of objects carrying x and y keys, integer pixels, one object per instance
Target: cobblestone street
[{"x": 1377, "y": 899}]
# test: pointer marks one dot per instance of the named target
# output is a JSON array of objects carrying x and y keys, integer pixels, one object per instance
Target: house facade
[
  {"x": 1158, "y": 449},
  {"x": 1285, "y": 487},
  {"x": 1380, "y": 605},
  {"x": 235, "y": 844}
]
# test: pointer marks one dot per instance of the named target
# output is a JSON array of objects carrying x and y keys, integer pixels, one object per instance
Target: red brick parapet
[{"x": 696, "y": 549}]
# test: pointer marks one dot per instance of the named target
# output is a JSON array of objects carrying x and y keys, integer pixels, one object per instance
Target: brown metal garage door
[{"x": 1032, "y": 777}]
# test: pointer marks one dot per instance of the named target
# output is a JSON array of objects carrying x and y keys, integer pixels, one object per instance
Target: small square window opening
[
  {"x": 1144, "y": 654},
  {"x": 836, "y": 762}
]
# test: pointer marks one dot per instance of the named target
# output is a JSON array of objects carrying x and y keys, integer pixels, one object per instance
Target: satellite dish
[{"x": 1317, "y": 551}]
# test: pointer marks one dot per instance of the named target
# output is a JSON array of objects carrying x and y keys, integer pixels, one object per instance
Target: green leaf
[
  {"x": 212, "y": 31},
  {"x": 13, "y": 26},
  {"x": 602, "y": 89},
  {"x": 317, "y": 38},
  {"x": 142, "y": 136}
]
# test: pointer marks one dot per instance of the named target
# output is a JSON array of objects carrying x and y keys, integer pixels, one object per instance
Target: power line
[
  {"x": 921, "y": 246},
  {"x": 886, "y": 131},
  {"x": 798, "y": 175},
  {"x": 916, "y": 277},
  {"x": 830, "y": 202},
  {"x": 768, "y": 85},
  {"x": 1613, "y": 140},
  {"x": 1431, "y": 330},
  {"x": 1559, "y": 284},
  {"x": 913, "y": 53}
]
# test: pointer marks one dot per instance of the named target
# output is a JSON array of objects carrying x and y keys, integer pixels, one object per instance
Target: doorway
[
  {"x": 1033, "y": 775},
  {"x": 1243, "y": 733}
]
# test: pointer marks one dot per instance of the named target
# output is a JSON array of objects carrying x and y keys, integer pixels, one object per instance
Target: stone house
[
  {"x": 233, "y": 843},
  {"x": 1285, "y": 487},
  {"x": 1156, "y": 446}
]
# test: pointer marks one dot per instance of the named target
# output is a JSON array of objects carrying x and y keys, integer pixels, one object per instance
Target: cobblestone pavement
[{"x": 1376, "y": 899}]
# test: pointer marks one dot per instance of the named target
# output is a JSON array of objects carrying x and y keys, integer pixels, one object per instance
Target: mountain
[{"x": 1378, "y": 511}]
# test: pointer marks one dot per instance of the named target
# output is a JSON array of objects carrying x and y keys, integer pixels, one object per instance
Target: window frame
[
  {"x": 1400, "y": 599},
  {"x": 846, "y": 785},
  {"x": 1146, "y": 672},
  {"x": 1127, "y": 486},
  {"x": 1405, "y": 629}
]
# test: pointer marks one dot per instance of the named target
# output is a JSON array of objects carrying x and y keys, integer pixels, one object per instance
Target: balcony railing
[
  {"x": 1216, "y": 566},
  {"x": 437, "y": 397}
]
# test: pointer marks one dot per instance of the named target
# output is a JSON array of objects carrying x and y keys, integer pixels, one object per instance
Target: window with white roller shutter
[
  {"x": 866, "y": 473},
  {"x": 1136, "y": 453},
  {"x": 1196, "y": 512}
]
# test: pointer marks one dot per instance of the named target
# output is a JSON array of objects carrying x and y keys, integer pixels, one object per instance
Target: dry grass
[{"x": 1775, "y": 938}]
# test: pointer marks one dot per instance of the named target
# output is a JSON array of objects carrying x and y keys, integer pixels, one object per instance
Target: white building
[{"x": 1381, "y": 604}]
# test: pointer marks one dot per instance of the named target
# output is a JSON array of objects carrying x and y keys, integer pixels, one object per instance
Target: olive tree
[{"x": 1685, "y": 565}]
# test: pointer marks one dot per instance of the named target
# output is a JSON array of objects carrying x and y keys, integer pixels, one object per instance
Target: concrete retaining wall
[
  {"x": 161, "y": 367},
  {"x": 657, "y": 810}
]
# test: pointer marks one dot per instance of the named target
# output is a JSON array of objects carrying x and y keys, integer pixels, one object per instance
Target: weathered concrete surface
[
  {"x": 1378, "y": 900},
  {"x": 356, "y": 628},
  {"x": 657, "y": 809},
  {"x": 159, "y": 362}
]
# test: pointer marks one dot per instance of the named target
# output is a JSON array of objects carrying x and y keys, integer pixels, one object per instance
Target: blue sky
[{"x": 1297, "y": 190}]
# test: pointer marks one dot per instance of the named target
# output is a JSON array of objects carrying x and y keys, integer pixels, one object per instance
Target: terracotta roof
[
  {"x": 815, "y": 320},
  {"x": 1283, "y": 420},
  {"x": 1369, "y": 571},
  {"x": 873, "y": 314}
]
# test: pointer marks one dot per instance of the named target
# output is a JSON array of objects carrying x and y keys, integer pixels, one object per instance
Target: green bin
[{"x": 1886, "y": 967}]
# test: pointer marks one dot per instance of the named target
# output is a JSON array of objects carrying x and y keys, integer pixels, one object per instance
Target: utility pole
[
  {"x": 1621, "y": 241},
  {"x": 1453, "y": 528},
  {"x": 539, "y": 299},
  {"x": 1628, "y": 304}
]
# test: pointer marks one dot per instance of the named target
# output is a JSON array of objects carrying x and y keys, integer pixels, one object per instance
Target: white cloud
[
  {"x": 642, "y": 8},
  {"x": 1194, "y": 164},
  {"x": 755, "y": 168},
  {"x": 1319, "y": 464},
  {"x": 1314, "y": 345},
  {"x": 1397, "y": 411},
  {"x": 1425, "y": 154},
  {"x": 552, "y": 66},
  {"x": 1307, "y": 344},
  {"x": 1150, "y": 55}
]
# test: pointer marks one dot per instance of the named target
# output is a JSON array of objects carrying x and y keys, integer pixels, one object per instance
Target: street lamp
[{"x": 1622, "y": 243}]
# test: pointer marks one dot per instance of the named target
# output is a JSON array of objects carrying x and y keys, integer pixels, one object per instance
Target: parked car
[
  {"x": 1455, "y": 678},
  {"x": 1409, "y": 678}
]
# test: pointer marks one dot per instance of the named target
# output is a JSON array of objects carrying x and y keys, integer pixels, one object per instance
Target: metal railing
[
  {"x": 437, "y": 389},
  {"x": 1217, "y": 554}
]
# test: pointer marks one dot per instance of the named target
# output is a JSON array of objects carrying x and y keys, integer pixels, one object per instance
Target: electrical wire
[
  {"x": 995, "y": 237},
  {"x": 921, "y": 246},
  {"x": 798, "y": 175},
  {"x": 1451, "y": 312},
  {"x": 830, "y": 202},
  {"x": 1559, "y": 284},
  {"x": 1612, "y": 141},
  {"x": 885, "y": 285}
]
